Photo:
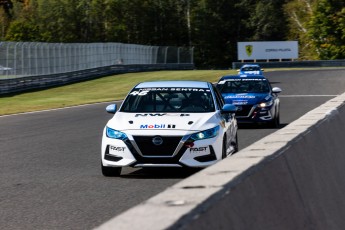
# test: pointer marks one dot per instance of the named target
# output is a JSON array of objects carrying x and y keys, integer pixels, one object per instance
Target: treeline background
[{"x": 212, "y": 27}]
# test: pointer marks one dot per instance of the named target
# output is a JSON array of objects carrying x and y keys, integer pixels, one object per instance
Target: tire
[
  {"x": 275, "y": 123},
  {"x": 224, "y": 147},
  {"x": 278, "y": 121},
  {"x": 111, "y": 171},
  {"x": 236, "y": 144}
]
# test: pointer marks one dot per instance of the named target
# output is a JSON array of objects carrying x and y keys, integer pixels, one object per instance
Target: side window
[{"x": 219, "y": 98}]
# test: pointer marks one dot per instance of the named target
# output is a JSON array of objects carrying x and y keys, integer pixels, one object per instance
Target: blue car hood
[{"x": 246, "y": 98}]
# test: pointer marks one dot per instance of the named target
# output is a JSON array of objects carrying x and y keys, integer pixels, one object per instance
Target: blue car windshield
[
  {"x": 169, "y": 100},
  {"x": 244, "y": 86},
  {"x": 251, "y": 68}
]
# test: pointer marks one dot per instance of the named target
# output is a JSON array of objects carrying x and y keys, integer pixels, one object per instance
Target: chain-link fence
[{"x": 20, "y": 59}]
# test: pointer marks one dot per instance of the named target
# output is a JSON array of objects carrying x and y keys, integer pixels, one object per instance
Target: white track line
[{"x": 68, "y": 107}]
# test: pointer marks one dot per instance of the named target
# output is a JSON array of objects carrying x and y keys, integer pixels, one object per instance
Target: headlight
[
  {"x": 112, "y": 133},
  {"x": 205, "y": 134},
  {"x": 265, "y": 104}
]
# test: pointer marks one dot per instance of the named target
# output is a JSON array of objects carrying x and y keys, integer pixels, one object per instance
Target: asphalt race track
[{"x": 50, "y": 174}]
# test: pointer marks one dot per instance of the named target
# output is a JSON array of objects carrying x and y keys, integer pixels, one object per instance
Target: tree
[
  {"x": 327, "y": 29},
  {"x": 219, "y": 25},
  {"x": 214, "y": 33},
  {"x": 299, "y": 14},
  {"x": 23, "y": 26},
  {"x": 212, "y": 27},
  {"x": 268, "y": 21}
]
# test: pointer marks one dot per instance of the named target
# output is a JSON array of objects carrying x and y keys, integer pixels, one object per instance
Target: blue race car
[
  {"x": 250, "y": 69},
  {"x": 255, "y": 99}
]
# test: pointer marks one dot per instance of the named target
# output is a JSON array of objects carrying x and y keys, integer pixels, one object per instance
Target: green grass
[
  {"x": 100, "y": 90},
  {"x": 7, "y": 76}
]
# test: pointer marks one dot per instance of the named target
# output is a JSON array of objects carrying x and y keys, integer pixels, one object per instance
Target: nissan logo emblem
[{"x": 157, "y": 140}]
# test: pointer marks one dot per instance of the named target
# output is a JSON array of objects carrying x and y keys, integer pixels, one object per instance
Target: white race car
[{"x": 169, "y": 124}]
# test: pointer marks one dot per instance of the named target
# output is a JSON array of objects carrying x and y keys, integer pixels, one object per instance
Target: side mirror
[
  {"x": 276, "y": 90},
  {"x": 229, "y": 108},
  {"x": 111, "y": 108}
]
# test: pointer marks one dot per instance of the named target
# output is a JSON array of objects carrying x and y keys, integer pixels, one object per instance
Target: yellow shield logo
[{"x": 249, "y": 50}]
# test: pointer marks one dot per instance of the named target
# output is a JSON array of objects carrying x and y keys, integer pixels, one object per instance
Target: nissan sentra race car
[
  {"x": 169, "y": 124},
  {"x": 250, "y": 69},
  {"x": 255, "y": 99}
]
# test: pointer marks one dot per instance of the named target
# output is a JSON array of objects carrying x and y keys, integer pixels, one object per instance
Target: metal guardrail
[
  {"x": 20, "y": 84},
  {"x": 19, "y": 59},
  {"x": 34, "y": 65}
]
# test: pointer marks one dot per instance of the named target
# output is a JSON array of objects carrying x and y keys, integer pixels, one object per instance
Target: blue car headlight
[
  {"x": 112, "y": 133},
  {"x": 209, "y": 133},
  {"x": 265, "y": 104}
]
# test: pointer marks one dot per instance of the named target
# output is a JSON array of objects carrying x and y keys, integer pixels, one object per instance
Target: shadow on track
[
  {"x": 260, "y": 126},
  {"x": 159, "y": 173}
]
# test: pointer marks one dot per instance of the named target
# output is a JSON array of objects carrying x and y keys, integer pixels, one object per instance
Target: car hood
[
  {"x": 246, "y": 98},
  {"x": 163, "y": 121}
]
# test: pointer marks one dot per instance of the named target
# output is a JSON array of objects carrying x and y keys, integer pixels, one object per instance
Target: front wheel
[
  {"x": 111, "y": 171},
  {"x": 235, "y": 144},
  {"x": 275, "y": 122},
  {"x": 224, "y": 155}
]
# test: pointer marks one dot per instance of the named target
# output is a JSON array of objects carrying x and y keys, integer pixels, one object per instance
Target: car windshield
[
  {"x": 244, "y": 86},
  {"x": 250, "y": 68},
  {"x": 190, "y": 100}
]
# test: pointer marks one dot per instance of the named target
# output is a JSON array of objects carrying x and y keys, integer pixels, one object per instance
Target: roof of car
[
  {"x": 179, "y": 84},
  {"x": 250, "y": 65},
  {"x": 242, "y": 76}
]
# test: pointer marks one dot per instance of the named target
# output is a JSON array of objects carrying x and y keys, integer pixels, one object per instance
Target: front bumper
[
  {"x": 254, "y": 114},
  {"x": 140, "y": 151}
]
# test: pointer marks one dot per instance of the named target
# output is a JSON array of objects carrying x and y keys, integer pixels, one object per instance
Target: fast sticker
[
  {"x": 117, "y": 149},
  {"x": 199, "y": 149}
]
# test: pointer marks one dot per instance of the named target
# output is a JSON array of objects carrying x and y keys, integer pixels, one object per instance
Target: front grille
[
  {"x": 244, "y": 112},
  {"x": 167, "y": 148}
]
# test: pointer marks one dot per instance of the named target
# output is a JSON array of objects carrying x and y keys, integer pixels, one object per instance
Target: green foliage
[
  {"x": 327, "y": 29},
  {"x": 212, "y": 33},
  {"x": 22, "y": 31},
  {"x": 213, "y": 28},
  {"x": 299, "y": 14},
  {"x": 268, "y": 22},
  {"x": 318, "y": 25}
]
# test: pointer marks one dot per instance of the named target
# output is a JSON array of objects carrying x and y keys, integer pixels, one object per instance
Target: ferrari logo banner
[
  {"x": 267, "y": 50},
  {"x": 249, "y": 50}
]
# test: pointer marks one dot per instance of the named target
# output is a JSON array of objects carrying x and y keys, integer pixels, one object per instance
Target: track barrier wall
[{"x": 291, "y": 179}]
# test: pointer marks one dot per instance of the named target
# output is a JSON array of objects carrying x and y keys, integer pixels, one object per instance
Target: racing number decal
[{"x": 138, "y": 93}]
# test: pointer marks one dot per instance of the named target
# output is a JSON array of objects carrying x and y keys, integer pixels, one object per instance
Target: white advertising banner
[{"x": 267, "y": 50}]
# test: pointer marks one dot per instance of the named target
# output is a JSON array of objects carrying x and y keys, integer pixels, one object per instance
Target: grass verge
[{"x": 99, "y": 90}]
